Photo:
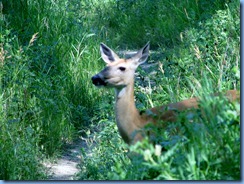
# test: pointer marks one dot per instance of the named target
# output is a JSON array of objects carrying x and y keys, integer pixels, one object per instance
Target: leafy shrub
[{"x": 202, "y": 149}]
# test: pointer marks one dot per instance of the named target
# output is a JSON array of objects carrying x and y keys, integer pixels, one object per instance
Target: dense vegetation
[{"x": 50, "y": 49}]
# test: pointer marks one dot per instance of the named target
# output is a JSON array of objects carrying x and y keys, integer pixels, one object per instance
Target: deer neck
[{"x": 127, "y": 116}]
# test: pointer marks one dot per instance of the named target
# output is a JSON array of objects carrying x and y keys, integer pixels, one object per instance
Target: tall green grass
[
  {"x": 46, "y": 60},
  {"x": 133, "y": 23},
  {"x": 20, "y": 115},
  {"x": 50, "y": 49}
]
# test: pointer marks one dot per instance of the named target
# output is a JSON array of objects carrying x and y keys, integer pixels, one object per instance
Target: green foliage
[
  {"x": 19, "y": 115},
  {"x": 211, "y": 49},
  {"x": 50, "y": 49},
  {"x": 136, "y": 22},
  {"x": 105, "y": 150},
  {"x": 202, "y": 149},
  {"x": 43, "y": 81}
]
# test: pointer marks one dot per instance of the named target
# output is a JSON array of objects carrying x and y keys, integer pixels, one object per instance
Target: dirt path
[{"x": 65, "y": 168}]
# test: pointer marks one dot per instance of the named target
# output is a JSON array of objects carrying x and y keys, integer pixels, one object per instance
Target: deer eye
[{"x": 121, "y": 68}]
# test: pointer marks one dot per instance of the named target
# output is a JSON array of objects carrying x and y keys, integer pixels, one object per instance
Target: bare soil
[{"x": 66, "y": 167}]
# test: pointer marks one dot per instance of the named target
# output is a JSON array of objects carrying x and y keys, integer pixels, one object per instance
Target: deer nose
[
  {"x": 95, "y": 79},
  {"x": 98, "y": 81}
]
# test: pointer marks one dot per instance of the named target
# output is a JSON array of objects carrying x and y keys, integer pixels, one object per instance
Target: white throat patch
[{"x": 120, "y": 93}]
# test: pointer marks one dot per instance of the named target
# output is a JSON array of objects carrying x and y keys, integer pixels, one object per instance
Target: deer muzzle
[{"x": 98, "y": 81}]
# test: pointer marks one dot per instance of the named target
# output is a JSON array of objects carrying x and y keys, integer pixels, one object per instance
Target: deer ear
[
  {"x": 142, "y": 55},
  {"x": 108, "y": 54}
]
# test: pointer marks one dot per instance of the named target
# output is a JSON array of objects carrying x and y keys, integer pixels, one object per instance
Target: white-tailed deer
[{"x": 119, "y": 74}]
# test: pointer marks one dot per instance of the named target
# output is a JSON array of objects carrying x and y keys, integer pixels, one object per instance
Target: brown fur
[{"x": 128, "y": 119}]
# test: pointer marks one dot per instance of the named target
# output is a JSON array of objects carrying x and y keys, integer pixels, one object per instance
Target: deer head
[{"x": 119, "y": 72}]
